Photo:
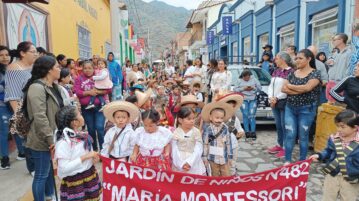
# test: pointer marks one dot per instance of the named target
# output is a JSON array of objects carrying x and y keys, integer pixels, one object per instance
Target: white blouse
[
  {"x": 124, "y": 144},
  {"x": 221, "y": 80},
  {"x": 152, "y": 144},
  {"x": 68, "y": 152},
  {"x": 188, "y": 148}
]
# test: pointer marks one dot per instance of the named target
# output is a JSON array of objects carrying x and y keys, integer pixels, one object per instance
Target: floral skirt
[
  {"x": 82, "y": 186},
  {"x": 156, "y": 162}
]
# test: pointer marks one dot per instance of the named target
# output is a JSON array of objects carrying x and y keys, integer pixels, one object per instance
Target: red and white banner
[{"x": 125, "y": 182}]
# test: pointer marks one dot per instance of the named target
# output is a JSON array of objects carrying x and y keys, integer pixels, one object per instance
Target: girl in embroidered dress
[
  {"x": 152, "y": 147},
  {"x": 187, "y": 146},
  {"x": 120, "y": 139},
  {"x": 75, "y": 158}
]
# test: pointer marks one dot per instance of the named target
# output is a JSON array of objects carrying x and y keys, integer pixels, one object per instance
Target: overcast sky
[{"x": 189, "y": 4}]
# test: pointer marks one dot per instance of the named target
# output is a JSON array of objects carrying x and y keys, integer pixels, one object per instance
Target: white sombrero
[
  {"x": 142, "y": 97},
  {"x": 208, "y": 108},
  {"x": 190, "y": 99},
  {"x": 236, "y": 97},
  {"x": 115, "y": 106}
]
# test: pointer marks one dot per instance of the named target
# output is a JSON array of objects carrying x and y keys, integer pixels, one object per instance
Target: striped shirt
[
  {"x": 349, "y": 86},
  {"x": 15, "y": 81}
]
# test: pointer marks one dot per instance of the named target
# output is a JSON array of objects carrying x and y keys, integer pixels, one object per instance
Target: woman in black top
[
  {"x": 350, "y": 87},
  {"x": 303, "y": 89}
]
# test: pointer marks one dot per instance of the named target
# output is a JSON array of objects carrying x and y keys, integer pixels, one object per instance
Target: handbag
[
  {"x": 19, "y": 123},
  {"x": 281, "y": 104}
]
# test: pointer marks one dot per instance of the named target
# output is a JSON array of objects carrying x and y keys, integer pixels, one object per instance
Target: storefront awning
[
  {"x": 328, "y": 14},
  {"x": 26, "y": 1},
  {"x": 286, "y": 29}
]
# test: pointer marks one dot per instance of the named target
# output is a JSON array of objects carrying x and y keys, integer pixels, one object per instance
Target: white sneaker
[
  {"x": 90, "y": 107},
  {"x": 20, "y": 157}
]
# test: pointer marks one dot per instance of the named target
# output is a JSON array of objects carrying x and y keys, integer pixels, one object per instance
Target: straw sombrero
[
  {"x": 142, "y": 97},
  {"x": 151, "y": 82},
  {"x": 186, "y": 83},
  {"x": 190, "y": 99},
  {"x": 169, "y": 81},
  {"x": 115, "y": 106},
  {"x": 197, "y": 82},
  {"x": 208, "y": 108},
  {"x": 236, "y": 97}
]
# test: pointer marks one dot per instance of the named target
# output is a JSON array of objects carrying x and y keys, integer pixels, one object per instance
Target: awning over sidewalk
[{"x": 26, "y": 1}]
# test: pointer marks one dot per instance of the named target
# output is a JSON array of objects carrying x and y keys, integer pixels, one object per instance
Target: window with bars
[{"x": 84, "y": 42}]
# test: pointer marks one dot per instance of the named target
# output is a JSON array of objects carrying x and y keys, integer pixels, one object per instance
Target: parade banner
[
  {"x": 124, "y": 182},
  {"x": 210, "y": 37},
  {"x": 227, "y": 25}
]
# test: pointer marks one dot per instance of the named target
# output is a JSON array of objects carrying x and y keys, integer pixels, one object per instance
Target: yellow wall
[{"x": 65, "y": 15}]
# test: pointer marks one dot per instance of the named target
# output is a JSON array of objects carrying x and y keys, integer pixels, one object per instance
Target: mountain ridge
[{"x": 162, "y": 20}]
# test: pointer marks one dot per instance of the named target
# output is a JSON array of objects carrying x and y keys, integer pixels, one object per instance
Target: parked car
[{"x": 264, "y": 113}]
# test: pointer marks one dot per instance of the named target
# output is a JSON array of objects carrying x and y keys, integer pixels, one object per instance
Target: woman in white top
[
  {"x": 133, "y": 76},
  {"x": 187, "y": 145},
  {"x": 221, "y": 79},
  {"x": 196, "y": 72},
  {"x": 152, "y": 147},
  {"x": 75, "y": 158},
  {"x": 277, "y": 99}
]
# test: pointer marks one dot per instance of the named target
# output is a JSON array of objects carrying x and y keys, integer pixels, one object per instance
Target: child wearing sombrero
[
  {"x": 192, "y": 102},
  {"x": 234, "y": 125},
  {"x": 168, "y": 84},
  {"x": 217, "y": 143},
  {"x": 120, "y": 139}
]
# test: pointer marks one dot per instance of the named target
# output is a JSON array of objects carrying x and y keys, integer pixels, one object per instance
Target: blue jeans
[
  {"x": 43, "y": 183},
  {"x": 101, "y": 98},
  {"x": 279, "y": 124},
  {"x": 95, "y": 122},
  {"x": 5, "y": 115},
  {"x": 298, "y": 120},
  {"x": 249, "y": 109},
  {"x": 117, "y": 92},
  {"x": 322, "y": 97}
]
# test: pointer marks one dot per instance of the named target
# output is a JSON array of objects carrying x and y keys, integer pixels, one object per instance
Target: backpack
[{"x": 19, "y": 123}]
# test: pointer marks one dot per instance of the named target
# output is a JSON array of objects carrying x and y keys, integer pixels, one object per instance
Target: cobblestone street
[{"x": 254, "y": 158}]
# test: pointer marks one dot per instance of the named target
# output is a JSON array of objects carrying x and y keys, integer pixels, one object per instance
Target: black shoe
[
  {"x": 248, "y": 135},
  {"x": 5, "y": 163},
  {"x": 20, "y": 157},
  {"x": 253, "y": 135}
]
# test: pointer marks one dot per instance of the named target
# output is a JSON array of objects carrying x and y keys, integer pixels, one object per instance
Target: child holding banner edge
[
  {"x": 217, "y": 149},
  {"x": 152, "y": 147},
  {"x": 187, "y": 145},
  {"x": 120, "y": 140},
  {"x": 342, "y": 157},
  {"x": 75, "y": 158}
]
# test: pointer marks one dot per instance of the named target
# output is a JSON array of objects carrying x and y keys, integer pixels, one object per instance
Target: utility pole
[{"x": 172, "y": 51}]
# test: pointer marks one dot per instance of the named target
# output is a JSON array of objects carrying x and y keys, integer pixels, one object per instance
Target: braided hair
[{"x": 64, "y": 117}]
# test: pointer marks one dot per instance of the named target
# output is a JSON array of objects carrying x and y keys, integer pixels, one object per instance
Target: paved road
[{"x": 16, "y": 183}]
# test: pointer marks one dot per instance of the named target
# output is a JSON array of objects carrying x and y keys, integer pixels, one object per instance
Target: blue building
[{"x": 280, "y": 23}]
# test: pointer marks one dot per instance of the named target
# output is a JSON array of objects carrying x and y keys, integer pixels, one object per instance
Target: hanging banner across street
[{"x": 123, "y": 181}]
